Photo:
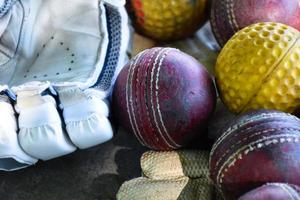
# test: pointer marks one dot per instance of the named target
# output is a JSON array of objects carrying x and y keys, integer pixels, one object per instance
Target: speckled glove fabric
[
  {"x": 58, "y": 63},
  {"x": 182, "y": 175}
]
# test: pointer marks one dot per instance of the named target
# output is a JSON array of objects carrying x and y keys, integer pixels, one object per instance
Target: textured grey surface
[{"x": 93, "y": 174}]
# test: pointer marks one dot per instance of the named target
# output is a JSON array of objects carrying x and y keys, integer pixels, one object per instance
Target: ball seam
[
  {"x": 289, "y": 190},
  {"x": 151, "y": 96},
  {"x": 214, "y": 25},
  {"x": 145, "y": 98},
  {"x": 157, "y": 100},
  {"x": 245, "y": 122},
  {"x": 236, "y": 134},
  {"x": 267, "y": 78},
  {"x": 238, "y": 155},
  {"x": 234, "y": 23},
  {"x": 129, "y": 100},
  {"x": 229, "y": 14},
  {"x": 235, "y": 144},
  {"x": 249, "y": 137}
]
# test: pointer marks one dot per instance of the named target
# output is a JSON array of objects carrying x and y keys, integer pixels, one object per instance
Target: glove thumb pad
[
  {"x": 12, "y": 157},
  {"x": 85, "y": 114},
  {"x": 41, "y": 134}
]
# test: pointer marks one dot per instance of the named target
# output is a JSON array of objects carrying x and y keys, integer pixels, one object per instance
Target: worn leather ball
[
  {"x": 259, "y": 68},
  {"x": 273, "y": 191},
  {"x": 164, "y": 97},
  {"x": 230, "y": 16},
  {"x": 256, "y": 148},
  {"x": 168, "y": 19}
]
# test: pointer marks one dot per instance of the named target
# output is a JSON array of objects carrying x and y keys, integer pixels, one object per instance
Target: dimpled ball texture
[
  {"x": 166, "y": 20},
  {"x": 273, "y": 191},
  {"x": 259, "y": 68},
  {"x": 164, "y": 97},
  {"x": 230, "y": 16},
  {"x": 258, "y": 147}
]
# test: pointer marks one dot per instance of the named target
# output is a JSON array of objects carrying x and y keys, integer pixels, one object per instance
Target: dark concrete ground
[
  {"x": 95, "y": 173},
  {"x": 92, "y": 174}
]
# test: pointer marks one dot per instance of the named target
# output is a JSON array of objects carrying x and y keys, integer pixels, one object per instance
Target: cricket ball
[
  {"x": 164, "y": 97},
  {"x": 273, "y": 191},
  {"x": 168, "y": 19},
  {"x": 230, "y": 16},
  {"x": 259, "y": 68},
  {"x": 257, "y": 148}
]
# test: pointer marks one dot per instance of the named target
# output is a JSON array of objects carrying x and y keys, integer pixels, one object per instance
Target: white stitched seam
[
  {"x": 245, "y": 122},
  {"x": 157, "y": 99},
  {"x": 237, "y": 133},
  {"x": 129, "y": 99},
  {"x": 230, "y": 162},
  {"x": 151, "y": 95}
]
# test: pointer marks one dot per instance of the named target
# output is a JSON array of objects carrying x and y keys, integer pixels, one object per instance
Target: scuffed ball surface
[
  {"x": 256, "y": 148},
  {"x": 229, "y": 16},
  {"x": 260, "y": 68},
  {"x": 165, "y": 98}
]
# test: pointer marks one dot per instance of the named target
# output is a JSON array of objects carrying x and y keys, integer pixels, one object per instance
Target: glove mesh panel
[
  {"x": 181, "y": 188},
  {"x": 174, "y": 164}
]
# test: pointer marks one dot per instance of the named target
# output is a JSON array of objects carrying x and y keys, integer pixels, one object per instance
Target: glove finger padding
[
  {"x": 85, "y": 114},
  {"x": 173, "y": 164},
  {"x": 41, "y": 134},
  {"x": 12, "y": 157},
  {"x": 181, "y": 188}
]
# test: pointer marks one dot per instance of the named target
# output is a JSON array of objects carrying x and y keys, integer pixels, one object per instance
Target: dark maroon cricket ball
[
  {"x": 273, "y": 191},
  {"x": 165, "y": 97},
  {"x": 257, "y": 148},
  {"x": 230, "y": 16}
]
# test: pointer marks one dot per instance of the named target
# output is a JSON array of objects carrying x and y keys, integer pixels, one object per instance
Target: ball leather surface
[
  {"x": 273, "y": 191},
  {"x": 168, "y": 19},
  {"x": 230, "y": 16},
  {"x": 259, "y": 68},
  {"x": 258, "y": 147},
  {"x": 165, "y": 97}
]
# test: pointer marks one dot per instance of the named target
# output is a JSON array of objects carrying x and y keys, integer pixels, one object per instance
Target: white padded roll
[
  {"x": 41, "y": 134},
  {"x": 12, "y": 157},
  {"x": 95, "y": 129},
  {"x": 85, "y": 115}
]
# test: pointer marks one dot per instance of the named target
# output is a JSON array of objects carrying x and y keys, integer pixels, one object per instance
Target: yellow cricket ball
[
  {"x": 166, "y": 20},
  {"x": 259, "y": 68}
]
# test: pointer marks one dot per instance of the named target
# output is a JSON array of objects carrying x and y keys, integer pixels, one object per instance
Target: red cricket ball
[
  {"x": 165, "y": 97},
  {"x": 230, "y": 16},
  {"x": 273, "y": 191},
  {"x": 259, "y": 147}
]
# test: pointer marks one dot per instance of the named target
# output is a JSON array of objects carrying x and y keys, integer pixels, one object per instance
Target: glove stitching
[{"x": 5, "y": 7}]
